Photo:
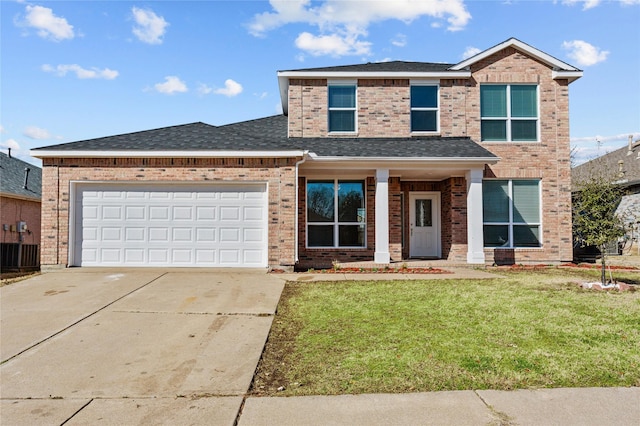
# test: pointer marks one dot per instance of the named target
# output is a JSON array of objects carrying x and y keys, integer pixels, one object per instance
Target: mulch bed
[
  {"x": 598, "y": 266},
  {"x": 349, "y": 270}
]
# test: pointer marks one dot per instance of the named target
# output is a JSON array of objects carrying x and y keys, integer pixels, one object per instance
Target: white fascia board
[
  {"x": 569, "y": 75},
  {"x": 165, "y": 154},
  {"x": 283, "y": 84},
  {"x": 381, "y": 74},
  {"x": 405, "y": 160},
  {"x": 512, "y": 42}
]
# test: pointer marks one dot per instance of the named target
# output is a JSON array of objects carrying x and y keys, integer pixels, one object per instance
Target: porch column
[
  {"x": 381, "y": 254},
  {"x": 475, "y": 238}
]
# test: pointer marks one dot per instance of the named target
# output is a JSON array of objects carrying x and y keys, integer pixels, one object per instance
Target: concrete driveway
[{"x": 132, "y": 346}]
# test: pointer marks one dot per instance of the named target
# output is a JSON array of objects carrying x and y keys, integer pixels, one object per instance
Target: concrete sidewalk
[{"x": 567, "y": 406}]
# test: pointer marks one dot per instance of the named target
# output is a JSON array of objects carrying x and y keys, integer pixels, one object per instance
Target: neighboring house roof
[
  {"x": 12, "y": 179},
  {"x": 400, "y": 69},
  {"x": 623, "y": 165},
  {"x": 263, "y": 138}
]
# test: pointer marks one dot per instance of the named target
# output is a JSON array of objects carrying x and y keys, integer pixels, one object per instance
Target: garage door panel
[{"x": 157, "y": 225}]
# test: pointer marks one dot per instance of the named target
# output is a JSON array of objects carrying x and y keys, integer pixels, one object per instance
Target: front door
[{"x": 424, "y": 224}]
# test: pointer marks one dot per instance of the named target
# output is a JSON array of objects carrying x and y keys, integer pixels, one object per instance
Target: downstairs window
[
  {"x": 511, "y": 210},
  {"x": 336, "y": 215}
]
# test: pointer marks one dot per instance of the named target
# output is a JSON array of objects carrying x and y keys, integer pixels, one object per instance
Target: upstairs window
[
  {"x": 424, "y": 108},
  {"x": 511, "y": 212},
  {"x": 336, "y": 214},
  {"x": 342, "y": 108},
  {"x": 509, "y": 113}
]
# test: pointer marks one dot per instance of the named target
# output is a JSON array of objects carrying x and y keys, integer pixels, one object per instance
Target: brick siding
[
  {"x": 14, "y": 210},
  {"x": 279, "y": 174},
  {"x": 384, "y": 111}
]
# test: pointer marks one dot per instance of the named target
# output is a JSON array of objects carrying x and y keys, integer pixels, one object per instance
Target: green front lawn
[{"x": 527, "y": 330}]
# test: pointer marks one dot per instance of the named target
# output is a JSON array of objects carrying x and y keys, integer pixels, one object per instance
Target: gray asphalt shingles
[
  {"x": 12, "y": 177},
  {"x": 270, "y": 134},
  {"x": 391, "y": 66}
]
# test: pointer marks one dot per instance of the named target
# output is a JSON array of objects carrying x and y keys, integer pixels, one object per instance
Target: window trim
[
  {"x": 336, "y": 224},
  {"x": 511, "y": 223},
  {"x": 508, "y": 118},
  {"x": 435, "y": 83},
  {"x": 346, "y": 83}
]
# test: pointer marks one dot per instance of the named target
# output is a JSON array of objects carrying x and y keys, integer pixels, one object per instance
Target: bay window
[
  {"x": 342, "y": 107},
  {"x": 509, "y": 112},
  {"x": 511, "y": 211},
  {"x": 336, "y": 214}
]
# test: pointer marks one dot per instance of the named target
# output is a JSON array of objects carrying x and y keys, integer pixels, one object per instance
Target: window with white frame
[
  {"x": 342, "y": 107},
  {"x": 509, "y": 113},
  {"x": 511, "y": 211},
  {"x": 424, "y": 107},
  {"x": 336, "y": 215}
]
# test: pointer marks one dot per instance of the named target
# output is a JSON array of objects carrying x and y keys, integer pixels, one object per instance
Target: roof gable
[
  {"x": 561, "y": 69},
  {"x": 12, "y": 181}
]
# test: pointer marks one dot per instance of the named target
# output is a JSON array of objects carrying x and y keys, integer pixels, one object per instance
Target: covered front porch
[{"x": 390, "y": 212}]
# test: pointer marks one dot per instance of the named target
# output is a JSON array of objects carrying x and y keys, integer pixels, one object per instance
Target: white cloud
[
  {"x": 171, "y": 85},
  {"x": 470, "y": 51},
  {"x": 11, "y": 143},
  {"x": 203, "y": 89},
  {"x": 399, "y": 40},
  {"x": 82, "y": 73},
  {"x": 586, "y": 4},
  {"x": 341, "y": 23},
  {"x": 583, "y": 53},
  {"x": 48, "y": 25},
  {"x": 34, "y": 132},
  {"x": 231, "y": 88},
  {"x": 334, "y": 45},
  {"x": 2, "y": 129},
  {"x": 261, "y": 96},
  {"x": 590, "y": 4},
  {"x": 149, "y": 27}
]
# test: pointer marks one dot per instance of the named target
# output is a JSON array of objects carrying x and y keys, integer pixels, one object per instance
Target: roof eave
[
  {"x": 165, "y": 154},
  {"x": 440, "y": 160},
  {"x": 571, "y": 76},
  {"x": 21, "y": 197}
]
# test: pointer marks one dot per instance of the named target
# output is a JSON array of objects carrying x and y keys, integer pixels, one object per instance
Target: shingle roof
[
  {"x": 270, "y": 134},
  {"x": 12, "y": 171},
  {"x": 392, "y": 66},
  {"x": 610, "y": 163}
]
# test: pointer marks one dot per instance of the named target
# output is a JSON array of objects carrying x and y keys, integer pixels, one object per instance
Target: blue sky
[{"x": 74, "y": 70}]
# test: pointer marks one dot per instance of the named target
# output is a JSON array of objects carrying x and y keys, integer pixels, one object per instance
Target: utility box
[{"x": 22, "y": 227}]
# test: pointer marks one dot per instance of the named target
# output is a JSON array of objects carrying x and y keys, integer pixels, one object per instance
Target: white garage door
[{"x": 156, "y": 225}]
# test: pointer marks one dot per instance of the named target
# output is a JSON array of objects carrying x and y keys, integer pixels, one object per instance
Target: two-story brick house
[{"x": 381, "y": 161}]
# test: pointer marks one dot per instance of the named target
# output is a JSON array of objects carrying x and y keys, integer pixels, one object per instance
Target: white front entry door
[{"x": 424, "y": 224}]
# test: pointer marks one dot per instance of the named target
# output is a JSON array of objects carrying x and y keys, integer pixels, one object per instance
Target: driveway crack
[
  {"x": 83, "y": 318},
  {"x": 74, "y": 414}
]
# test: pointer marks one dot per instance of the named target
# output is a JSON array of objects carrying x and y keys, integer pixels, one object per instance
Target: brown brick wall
[
  {"x": 384, "y": 110},
  {"x": 279, "y": 174},
  {"x": 14, "y": 210}
]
